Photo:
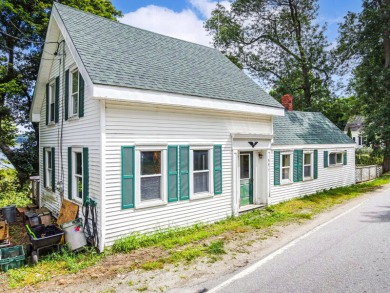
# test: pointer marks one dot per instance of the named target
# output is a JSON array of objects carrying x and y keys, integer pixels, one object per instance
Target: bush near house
[
  {"x": 10, "y": 191},
  {"x": 368, "y": 156}
]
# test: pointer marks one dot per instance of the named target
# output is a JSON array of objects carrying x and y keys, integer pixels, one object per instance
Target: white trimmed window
[
  {"x": 77, "y": 174},
  {"x": 308, "y": 165},
  {"x": 52, "y": 94},
  {"x": 286, "y": 169},
  {"x": 201, "y": 171},
  {"x": 49, "y": 168},
  {"x": 151, "y": 179},
  {"x": 74, "y": 93},
  {"x": 335, "y": 159}
]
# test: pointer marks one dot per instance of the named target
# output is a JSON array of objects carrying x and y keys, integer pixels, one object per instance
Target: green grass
[{"x": 185, "y": 244}]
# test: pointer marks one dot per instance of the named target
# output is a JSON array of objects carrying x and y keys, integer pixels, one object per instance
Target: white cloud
[{"x": 185, "y": 25}]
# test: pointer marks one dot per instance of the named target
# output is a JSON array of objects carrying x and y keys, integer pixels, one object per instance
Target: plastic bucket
[
  {"x": 74, "y": 234},
  {"x": 9, "y": 213}
]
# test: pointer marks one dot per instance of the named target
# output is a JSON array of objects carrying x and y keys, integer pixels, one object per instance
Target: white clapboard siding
[
  {"x": 329, "y": 177},
  {"x": 127, "y": 124},
  {"x": 83, "y": 132}
]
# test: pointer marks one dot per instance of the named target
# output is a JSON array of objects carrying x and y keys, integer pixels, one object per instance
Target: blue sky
[{"x": 184, "y": 18}]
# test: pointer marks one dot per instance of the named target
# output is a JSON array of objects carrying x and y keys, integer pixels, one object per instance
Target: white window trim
[
  {"x": 70, "y": 101},
  {"x": 74, "y": 182},
  {"x": 164, "y": 195},
  {"x": 47, "y": 173},
  {"x": 337, "y": 164},
  {"x": 286, "y": 181},
  {"x": 210, "y": 193},
  {"x": 52, "y": 98},
  {"x": 311, "y": 166}
]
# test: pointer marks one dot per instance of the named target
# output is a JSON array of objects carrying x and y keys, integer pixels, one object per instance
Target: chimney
[{"x": 287, "y": 101}]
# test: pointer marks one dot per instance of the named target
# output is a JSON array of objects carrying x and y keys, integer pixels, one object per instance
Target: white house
[
  {"x": 356, "y": 125},
  {"x": 159, "y": 132}
]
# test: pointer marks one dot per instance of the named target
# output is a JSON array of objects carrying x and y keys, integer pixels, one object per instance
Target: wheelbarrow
[{"x": 43, "y": 238}]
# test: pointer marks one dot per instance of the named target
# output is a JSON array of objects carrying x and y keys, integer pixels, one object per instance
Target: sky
[{"x": 183, "y": 19}]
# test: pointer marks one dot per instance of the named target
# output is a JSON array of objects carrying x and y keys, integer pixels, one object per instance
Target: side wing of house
[
  {"x": 69, "y": 124},
  {"x": 301, "y": 170},
  {"x": 169, "y": 166}
]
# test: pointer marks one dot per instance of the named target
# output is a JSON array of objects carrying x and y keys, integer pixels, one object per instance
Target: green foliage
[
  {"x": 286, "y": 50},
  {"x": 365, "y": 43},
  {"x": 10, "y": 192},
  {"x": 216, "y": 247},
  {"x": 368, "y": 156},
  {"x": 349, "y": 133}
]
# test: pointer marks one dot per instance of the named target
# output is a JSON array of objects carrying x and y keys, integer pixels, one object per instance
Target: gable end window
[
  {"x": 52, "y": 93},
  {"x": 74, "y": 93}
]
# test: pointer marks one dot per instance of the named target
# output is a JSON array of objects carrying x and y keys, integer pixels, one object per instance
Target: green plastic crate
[{"x": 12, "y": 257}]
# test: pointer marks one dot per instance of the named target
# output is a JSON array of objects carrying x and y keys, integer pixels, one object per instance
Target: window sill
[
  {"x": 49, "y": 190},
  {"x": 201, "y": 196},
  {"x": 336, "y": 166},
  {"x": 308, "y": 179},
  {"x": 150, "y": 204},
  {"x": 50, "y": 124},
  {"x": 286, "y": 183},
  {"x": 73, "y": 118}
]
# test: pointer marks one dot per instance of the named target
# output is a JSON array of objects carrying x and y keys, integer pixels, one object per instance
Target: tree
[
  {"x": 23, "y": 26},
  {"x": 365, "y": 43},
  {"x": 349, "y": 132},
  {"x": 278, "y": 42}
]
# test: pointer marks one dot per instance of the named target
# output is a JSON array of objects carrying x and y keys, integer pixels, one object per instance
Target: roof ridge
[{"x": 134, "y": 27}]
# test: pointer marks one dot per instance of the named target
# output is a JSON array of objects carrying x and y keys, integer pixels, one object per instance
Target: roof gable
[
  {"x": 116, "y": 54},
  {"x": 299, "y": 128}
]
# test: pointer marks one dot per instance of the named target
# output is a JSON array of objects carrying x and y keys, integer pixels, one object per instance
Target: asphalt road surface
[{"x": 350, "y": 253}]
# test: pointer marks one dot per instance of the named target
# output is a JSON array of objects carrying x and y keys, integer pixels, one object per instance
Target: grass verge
[{"x": 183, "y": 245}]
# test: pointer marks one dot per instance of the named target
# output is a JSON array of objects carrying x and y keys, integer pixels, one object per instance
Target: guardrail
[{"x": 367, "y": 173}]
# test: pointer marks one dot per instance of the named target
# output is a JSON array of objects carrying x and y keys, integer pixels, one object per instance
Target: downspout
[{"x": 102, "y": 175}]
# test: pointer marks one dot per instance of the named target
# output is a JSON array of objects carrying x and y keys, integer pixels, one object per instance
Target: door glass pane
[
  {"x": 244, "y": 167},
  {"x": 307, "y": 159},
  {"x": 79, "y": 164},
  {"x": 201, "y": 182},
  {"x": 150, "y": 163},
  {"x": 79, "y": 186},
  {"x": 201, "y": 159},
  {"x": 307, "y": 171},
  {"x": 75, "y": 103},
  {"x": 150, "y": 188}
]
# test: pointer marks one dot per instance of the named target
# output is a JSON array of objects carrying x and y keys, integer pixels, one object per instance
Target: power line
[{"x": 26, "y": 40}]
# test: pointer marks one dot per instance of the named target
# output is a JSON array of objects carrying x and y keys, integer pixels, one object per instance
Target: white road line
[
  {"x": 263, "y": 261},
  {"x": 388, "y": 189}
]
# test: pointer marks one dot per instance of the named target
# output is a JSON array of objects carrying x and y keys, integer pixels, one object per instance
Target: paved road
[{"x": 349, "y": 254}]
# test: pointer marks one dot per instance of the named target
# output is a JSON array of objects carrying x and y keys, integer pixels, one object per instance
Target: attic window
[
  {"x": 74, "y": 89},
  {"x": 52, "y": 92}
]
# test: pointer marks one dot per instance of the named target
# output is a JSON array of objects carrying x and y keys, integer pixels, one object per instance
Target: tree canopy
[
  {"x": 279, "y": 42},
  {"x": 23, "y": 26}
]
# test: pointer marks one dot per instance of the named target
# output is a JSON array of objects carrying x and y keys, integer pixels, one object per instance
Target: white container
[{"x": 74, "y": 234}]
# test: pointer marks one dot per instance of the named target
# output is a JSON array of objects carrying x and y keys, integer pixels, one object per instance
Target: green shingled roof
[
  {"x": 297, "y": 128},
  {"x": 116, "y": 54}
]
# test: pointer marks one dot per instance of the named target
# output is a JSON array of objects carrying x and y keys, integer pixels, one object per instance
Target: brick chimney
[{"x": 287, "y": 101}]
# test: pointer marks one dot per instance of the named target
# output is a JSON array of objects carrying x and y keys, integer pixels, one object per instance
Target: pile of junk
[{"x": 45, "y": 234}]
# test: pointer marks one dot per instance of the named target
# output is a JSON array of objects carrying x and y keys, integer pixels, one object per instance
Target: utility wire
[{"x": 26, "y": 40}]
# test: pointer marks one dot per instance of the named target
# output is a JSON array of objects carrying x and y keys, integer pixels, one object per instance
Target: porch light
[{"x": 260, "y": 155}]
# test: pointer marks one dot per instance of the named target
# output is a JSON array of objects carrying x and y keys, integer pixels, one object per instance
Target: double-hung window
[
  {"x": 201, "y": 171},
  {"x": 308, "y": 165},
  {"x": 151, "y": 176},
  {"x": 49, "y": 168},
  {"x": 335, "y": 159},
  {"x": 286, "y": 167},
  {"x": 74, "y": 91},
  {"x": 52, "y": 94},
  {"x": 77, "y": 174}
]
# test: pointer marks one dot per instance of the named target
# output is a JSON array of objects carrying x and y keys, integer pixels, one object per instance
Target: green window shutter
[
  {"x": 345, "y": 157},
  {"x": 128, "y": 177},
  {"x": 57, "y": 100},
  {"x": 81, "y": 96},
  {"x": 53, "y": 169},
  {"x": 297, "y": 166},
  {"x": 276, "y": 167},
  {"x": 173, "y": 190},
  {"x": 184, "y": 172},
  {"x": 217, "y": 169},
  {"x": 326, "y": 159},
  {"x": 44, "y": 167},
  {"x": 85, "y": 174},
  {"x": 300, "y": 165},
  {"x": 66, "y": 94},
  {"x": 69, "y": 172},
  {"x": 315, "y": 164},
  {"x": 47, "y": 104}
]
